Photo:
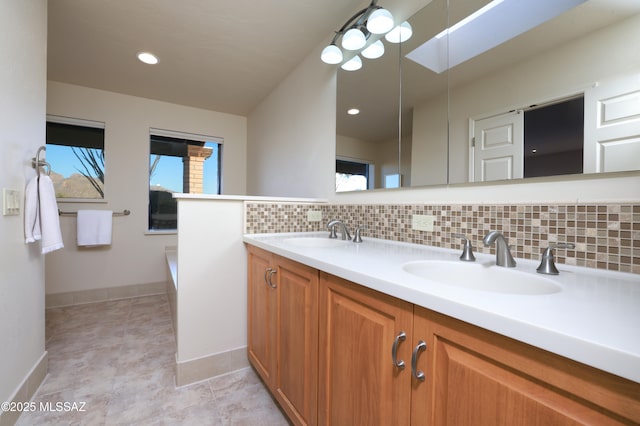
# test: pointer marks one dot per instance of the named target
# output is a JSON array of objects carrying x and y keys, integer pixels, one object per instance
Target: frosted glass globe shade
[
  {"x": 399, "y": 34},
  {"x": 352, "y": 64},
  {"x": 374, "y": 51},
  {"x": 331, "y": 54},
  {"x": 380, "y": 21},
  {"x": 353, "y": 39}
]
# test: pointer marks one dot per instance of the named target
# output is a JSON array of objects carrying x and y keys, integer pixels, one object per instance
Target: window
[
  {"x": 182, "y": 163},
  {"x": 75, "y": 151},
  {"x": 351, "y": 175}
]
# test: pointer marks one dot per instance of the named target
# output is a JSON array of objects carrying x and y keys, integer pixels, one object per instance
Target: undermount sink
[
  {"x": 479, "y": 276},
  {"x": 316, "y": 242}
]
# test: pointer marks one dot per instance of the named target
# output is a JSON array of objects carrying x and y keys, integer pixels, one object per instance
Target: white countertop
[
  {"x": 595, "y": 319},
  {"x": 253, "y": 198}
]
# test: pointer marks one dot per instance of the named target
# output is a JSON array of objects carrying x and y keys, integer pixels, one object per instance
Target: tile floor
[{"x": 118, "y": 358}]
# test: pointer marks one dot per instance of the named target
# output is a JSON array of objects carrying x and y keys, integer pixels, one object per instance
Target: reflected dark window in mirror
[
  {"x": 553, "y": 139},
  {"x": 352, "y": 175},
  {"x": 180, "y": 163},
  {"x": 75, "y": 151}
]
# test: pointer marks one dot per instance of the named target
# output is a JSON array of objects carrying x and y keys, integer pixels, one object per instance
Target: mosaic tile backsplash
[{"x": 606, "y": 236}]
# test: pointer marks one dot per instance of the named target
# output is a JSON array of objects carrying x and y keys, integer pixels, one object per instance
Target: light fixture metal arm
[{"x": 363, "y": 14}]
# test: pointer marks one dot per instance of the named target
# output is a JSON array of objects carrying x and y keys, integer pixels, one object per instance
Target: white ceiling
[{"x": 221, "y": 55}]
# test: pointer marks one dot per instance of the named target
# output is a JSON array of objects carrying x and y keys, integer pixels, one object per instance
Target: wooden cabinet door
[
  {"x": 358, "y": 382},
  {"x": 261, "y": 315},
  {"x": 296, "y": 378},
  {"x": 476, "y": 377}
]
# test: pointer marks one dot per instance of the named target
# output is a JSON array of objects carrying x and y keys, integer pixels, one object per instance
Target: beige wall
[
  {"x": 387, "y": 155},
  {"x": 22, "y": 129},
  {"x": 429, "y": 142},
  {"x": 212, "y": 278},
  {"x": 292, "y": 134},
  {"x": 135, "y": 257},
  {"x": 354, "y": 149}
]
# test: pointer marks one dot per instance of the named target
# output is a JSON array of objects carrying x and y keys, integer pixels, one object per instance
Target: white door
[
  {"x": 612, "y": 126},
  {"x": 498, "y": 149}
]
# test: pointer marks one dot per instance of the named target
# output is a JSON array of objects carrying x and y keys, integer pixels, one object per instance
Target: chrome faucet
[
  {"x": 503, "y": 254},
  {"x": 547, "y": 264},
  {"x": 343, "y": 229},
  {"x": 467, "y": 252},
  {"x": 357, "y": 238}
]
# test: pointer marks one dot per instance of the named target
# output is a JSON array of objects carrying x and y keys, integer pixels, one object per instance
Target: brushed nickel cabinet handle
[
  {"x": 418, "y": 374},
  {"x": 394, "y": 350},
  {"x": 270, "y": 277}
]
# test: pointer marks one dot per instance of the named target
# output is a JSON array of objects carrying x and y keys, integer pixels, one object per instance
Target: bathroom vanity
[{"x": 346, "y": 333}]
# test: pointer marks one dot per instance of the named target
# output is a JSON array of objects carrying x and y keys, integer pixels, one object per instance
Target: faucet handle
[
  {"x": 357, "y": 238},
  {"x": 467, "y": 251},
  {"x": 547, "y": 264},
  {"x": 332, "y": 228}
]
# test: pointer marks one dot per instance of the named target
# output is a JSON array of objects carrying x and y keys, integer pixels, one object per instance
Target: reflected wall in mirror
[
  {"x": 369, "y": 137},
  {"x": 424, "y": 141},
  {"x": 377, "y": 90},
  {"x": 587, "y": 51}
]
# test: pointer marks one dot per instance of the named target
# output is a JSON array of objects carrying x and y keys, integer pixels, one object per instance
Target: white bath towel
[
  {"x": 41, "y": 219},
  {"x": 94, "y": 227}
]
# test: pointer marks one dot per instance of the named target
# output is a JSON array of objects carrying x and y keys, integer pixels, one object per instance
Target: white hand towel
[
  {"x": 31, "y": 212},
  {"x": 41, "y": 219},
  {"x": 94, "y": 227}
]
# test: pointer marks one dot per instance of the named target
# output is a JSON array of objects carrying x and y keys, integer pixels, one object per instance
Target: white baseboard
[
  {"x": 80, "y": 297},
  {"x": 27, "y": 389},
  {"x": 200, "y": 369}
]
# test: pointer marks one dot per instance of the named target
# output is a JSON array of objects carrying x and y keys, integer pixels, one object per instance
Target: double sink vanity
[{"x": 384, "y": 332}]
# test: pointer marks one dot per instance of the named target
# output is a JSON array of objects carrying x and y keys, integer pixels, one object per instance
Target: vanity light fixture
[
  {"x": 355, "y": 34},
  {"x": 148, "y": 58}
]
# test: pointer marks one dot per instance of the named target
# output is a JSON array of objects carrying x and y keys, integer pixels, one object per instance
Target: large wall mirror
[{"x": 562, "y": 97}]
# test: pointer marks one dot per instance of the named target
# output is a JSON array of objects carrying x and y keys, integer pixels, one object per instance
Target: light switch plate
[
  {"x": 10, "y": 202},
  {"x": 422, "y": 222},
  {"x": 314, "y": 215}
]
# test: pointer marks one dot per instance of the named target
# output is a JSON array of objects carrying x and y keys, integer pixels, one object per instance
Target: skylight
[{"x": 488, "y": 27}]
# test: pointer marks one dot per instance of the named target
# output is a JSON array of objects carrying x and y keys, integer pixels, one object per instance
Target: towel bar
[
  {"x": 122, "y": 213},
  {"x": 36, "y": 162}
]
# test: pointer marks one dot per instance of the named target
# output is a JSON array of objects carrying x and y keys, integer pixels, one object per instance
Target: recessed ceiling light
[
  {"x": 148, "y": 58},
  {"x": 353, "y": 111}
]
